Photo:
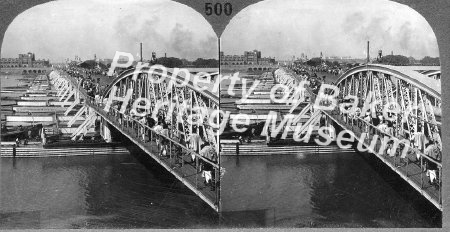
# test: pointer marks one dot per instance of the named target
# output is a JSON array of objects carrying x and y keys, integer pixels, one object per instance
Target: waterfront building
[
  {"x": 24, "y": 61},
  {"x": 248, "y": 58}
]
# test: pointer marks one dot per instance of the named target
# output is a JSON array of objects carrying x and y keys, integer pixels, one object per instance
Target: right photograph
[{"x": 331, "y": 116}]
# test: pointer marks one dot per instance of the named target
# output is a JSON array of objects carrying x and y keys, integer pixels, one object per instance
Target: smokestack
[
  {"x": 165, "y": 55},
  {"x": 368, "y": 57},
  {"x": 141, "y": 52}
]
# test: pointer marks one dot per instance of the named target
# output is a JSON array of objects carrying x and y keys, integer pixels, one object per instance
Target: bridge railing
[
  {"x": 361, "y": 123},
  {"x": 176, "y": 151},
  {"x": 358, "y": 126},
  {"x": 337, "y": 114},
  {"x": 92, "y": 102}
]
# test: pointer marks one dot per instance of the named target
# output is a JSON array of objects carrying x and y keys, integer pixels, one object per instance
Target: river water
[{"x": 132, "y": 191}]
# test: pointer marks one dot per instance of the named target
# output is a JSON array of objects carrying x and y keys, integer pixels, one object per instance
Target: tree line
[
  {"x": 173, "y": 62},
  {"x": 397, "y": 60},
  {"x": 403, "y": 60}
]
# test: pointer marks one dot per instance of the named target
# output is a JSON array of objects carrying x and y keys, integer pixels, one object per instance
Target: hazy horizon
[
  {"x": 65, "y": 28},
  {"x": 283, "y": 28},
  {"x": 279, "y": 28}
]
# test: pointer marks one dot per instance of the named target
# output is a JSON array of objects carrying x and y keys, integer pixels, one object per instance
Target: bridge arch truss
[
  {"x": 417, "y": 96},
  {"x": 419, "y": 100},
  {"x": 173, "y": 102},
  {"x": 173, "y": 98}
]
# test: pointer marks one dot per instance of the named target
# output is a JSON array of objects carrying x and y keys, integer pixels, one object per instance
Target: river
[{"x": 132, "y": 191}]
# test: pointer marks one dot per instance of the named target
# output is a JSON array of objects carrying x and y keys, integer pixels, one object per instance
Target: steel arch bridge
[
  {"x": 185, "y": 106},
  {"x": 156, "y": 93},
  {"x": 418, "y": 98}
]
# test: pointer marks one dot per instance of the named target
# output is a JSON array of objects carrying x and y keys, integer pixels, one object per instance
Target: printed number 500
[{"x": 218, "y": 8}]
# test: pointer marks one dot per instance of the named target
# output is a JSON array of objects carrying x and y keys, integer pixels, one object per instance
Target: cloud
[
  {"x": 283, "y": 28},
  {"x": 182, "y": 40},
  {"x": 176, "y": 39},
  {"x": 62, "y": 29},
  {"x": 131, "y": 31}
]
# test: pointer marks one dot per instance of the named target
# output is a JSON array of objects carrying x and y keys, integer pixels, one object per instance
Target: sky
[
  {"x": 66, "y": 28},
  {"x": 283, "y": 28}
]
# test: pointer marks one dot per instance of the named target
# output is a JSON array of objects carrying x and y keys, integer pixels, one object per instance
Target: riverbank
[{"x": 35, "y": 151}]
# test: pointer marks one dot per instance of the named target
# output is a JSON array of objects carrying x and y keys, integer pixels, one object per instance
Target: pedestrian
[
  {"x": 389, "y": 127},
  {"x": 164, "y": 139},
  {"x": 389, "y": 150},
  {"x": 151, "y": 124},
  {"x": 366, "y": 122},
  {"x": 431, "y": 167},
  {"x": 195, "y": 142},
  {"x": 382, "y": 130},
  {"x": 143, "y": 123},
  {"x": 158, "y": 128},
  {"x": 432, "y": 172},
  {"x": 208, "y": 152}
]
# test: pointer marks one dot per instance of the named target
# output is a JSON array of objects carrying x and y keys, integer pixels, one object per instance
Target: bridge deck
[
  {"x": 183, "y": 169},
  {"x": 410, "y": 169},
  {"x": 177, "y": 164}
]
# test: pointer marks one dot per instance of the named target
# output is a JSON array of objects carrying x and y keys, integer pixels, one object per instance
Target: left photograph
[{"x": 109, "y": 117}]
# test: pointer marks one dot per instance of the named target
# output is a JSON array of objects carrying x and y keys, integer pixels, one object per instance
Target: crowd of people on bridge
[
  {"x": 376, "y": 124},
  {"x": 196, "y": 141},
  {"x": 304, "y": 68},
  {"x": 86, "y": 80},
  {"x": 307, "y": 73},
  {"x": 158, "y": 131},
  {"x": 418, "y": 142}
]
